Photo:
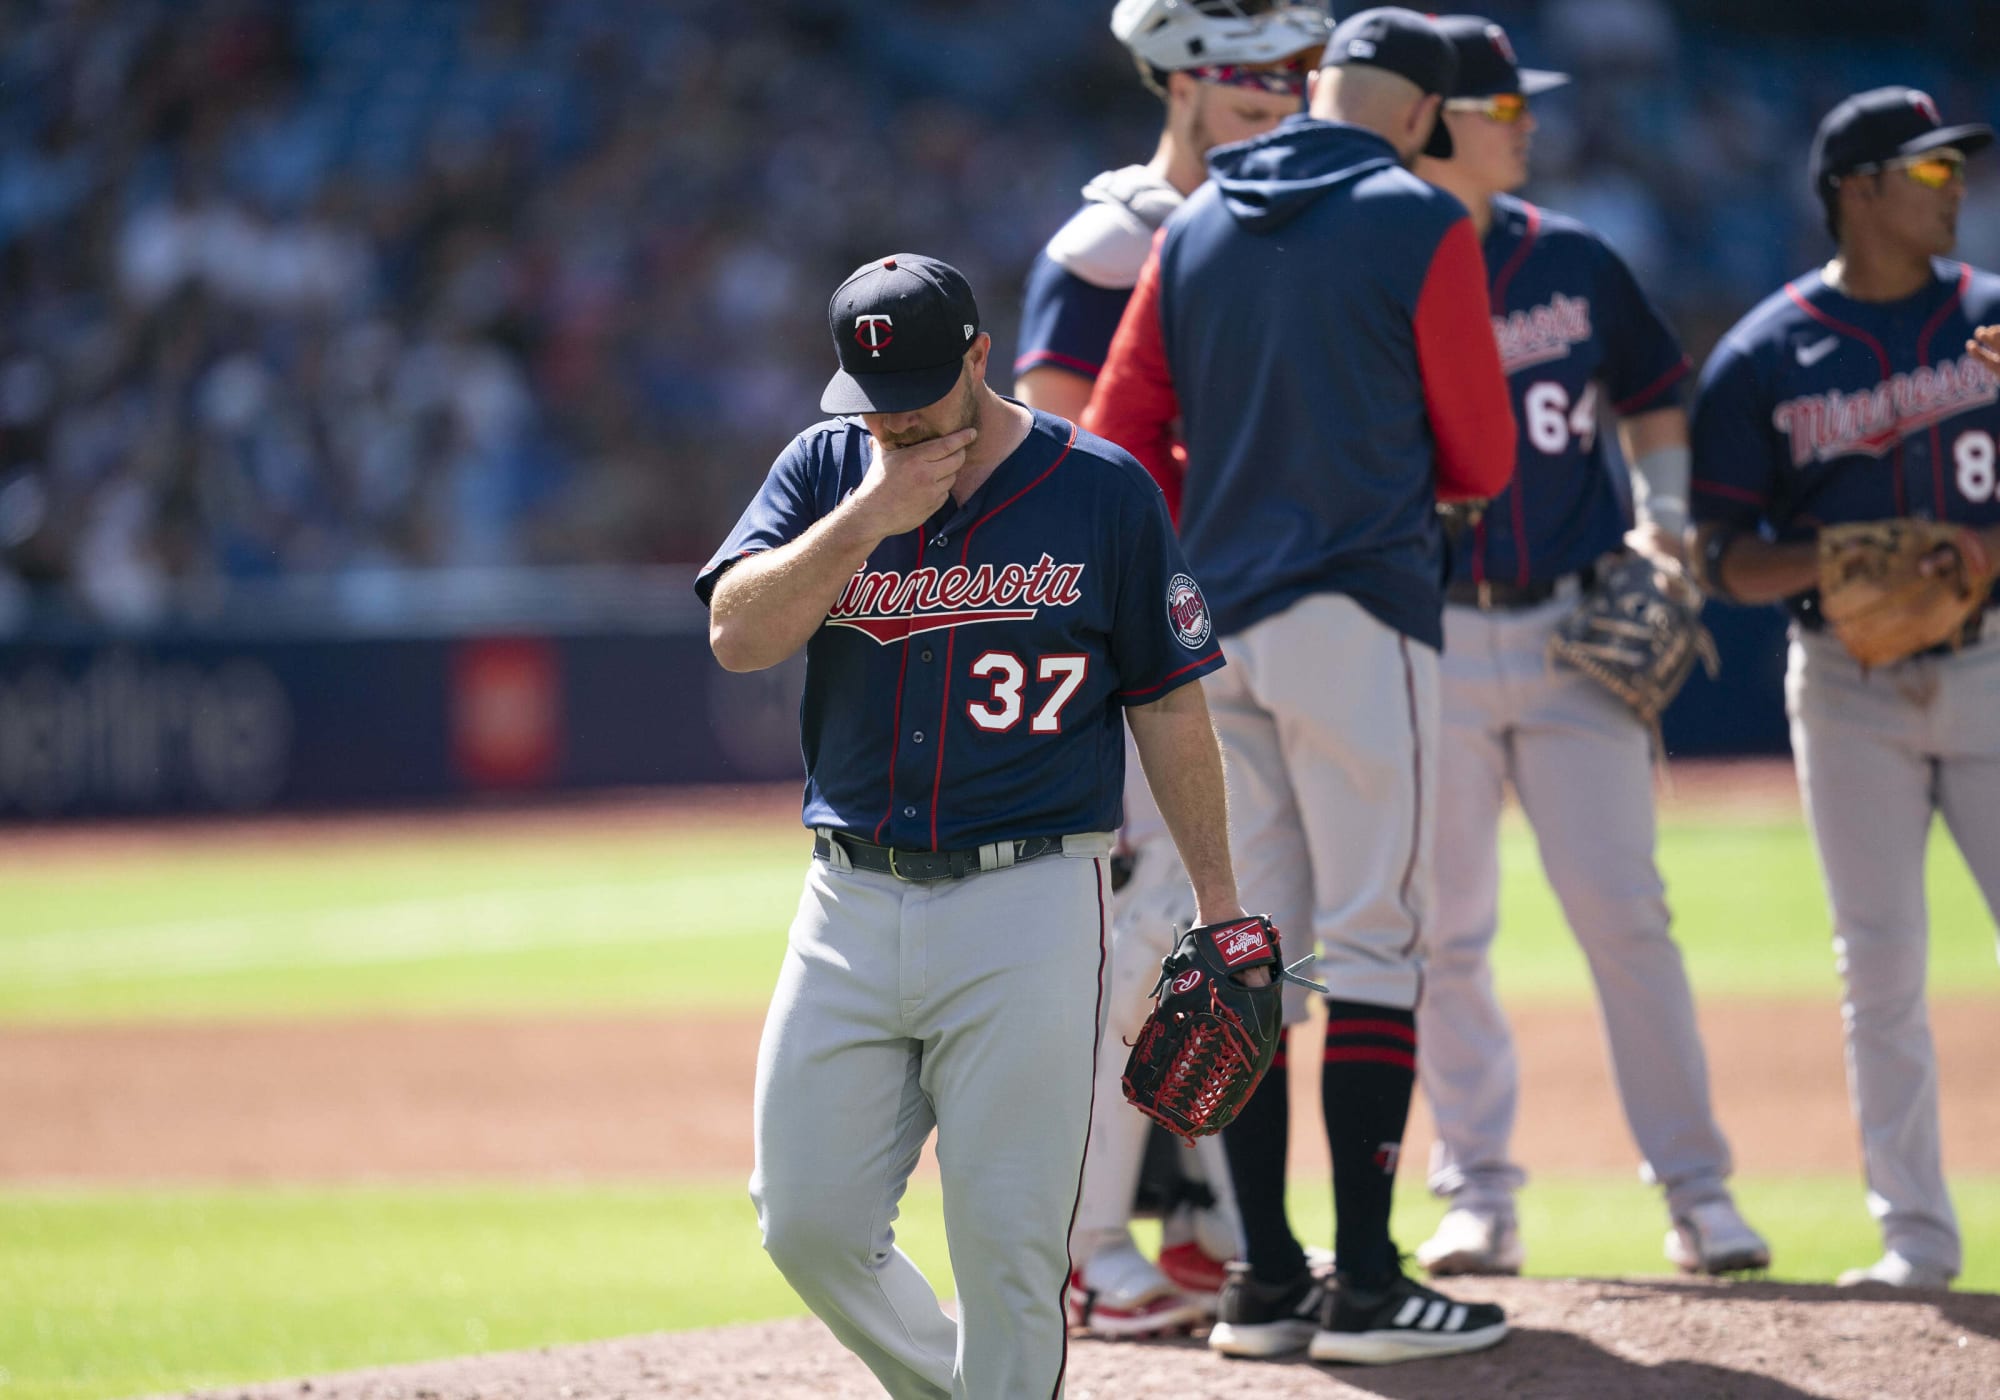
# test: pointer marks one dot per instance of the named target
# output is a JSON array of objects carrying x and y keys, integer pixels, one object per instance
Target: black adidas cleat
[
  {"x": 1263, "y": 1320},
  {"x": 1403, "y": 1322}
]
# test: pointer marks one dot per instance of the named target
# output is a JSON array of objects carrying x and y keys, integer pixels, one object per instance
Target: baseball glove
[
  {"x": 1638, "y": 634},
  {"x": 1891, "y": 588},
  {"x": 1209, "y": 1039}
]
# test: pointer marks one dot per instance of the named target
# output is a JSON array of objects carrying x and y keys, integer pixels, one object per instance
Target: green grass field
[
  {"x": 115, "y": 1293},
  {"x": 629, "y": 920},
  {"x": 108, "y": 1294}
]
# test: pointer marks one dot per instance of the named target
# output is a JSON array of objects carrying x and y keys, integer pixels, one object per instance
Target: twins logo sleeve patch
[{"x": 1187, "y": 610}]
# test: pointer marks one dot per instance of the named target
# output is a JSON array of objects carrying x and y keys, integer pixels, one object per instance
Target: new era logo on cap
[{"x": 900, "y": 328}]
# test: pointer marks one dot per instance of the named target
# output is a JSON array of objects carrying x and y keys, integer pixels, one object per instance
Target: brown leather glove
[{"x": 1891, "y": 588}]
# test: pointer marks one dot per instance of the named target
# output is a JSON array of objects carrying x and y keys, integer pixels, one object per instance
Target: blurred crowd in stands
[{"x": 325, "y": 286}]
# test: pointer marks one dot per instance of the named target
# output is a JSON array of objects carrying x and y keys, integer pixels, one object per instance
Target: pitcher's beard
[{"x": 965, "y": 414}]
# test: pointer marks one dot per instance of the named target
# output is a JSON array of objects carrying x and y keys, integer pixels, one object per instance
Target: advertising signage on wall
[
  {"x": 242, "y": 726},
  {"x": 231, "y": 723}
]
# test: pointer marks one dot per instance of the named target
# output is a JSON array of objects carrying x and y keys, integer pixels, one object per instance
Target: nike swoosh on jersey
[{"x": 1810, "y": 355}]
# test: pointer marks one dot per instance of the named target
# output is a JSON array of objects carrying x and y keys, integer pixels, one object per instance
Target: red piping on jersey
[
  {"x": 1520, "y": 254},
  {"x": 1395, "y": 1030},
  {"x": 731, "y": 562},
  {"x": 1923, "y": 360},
  {"x": 1499, "y": 294},
  {"x": 1881, "y": 358},
  {"x": 1417, "y": 805},
  {"x": 1371, "y": 1054},
  {"x": 964, "y": 555},
  {"x": 1730, "y": 493},
  {"x": 896, "y": 734},
  {"x": 1035, "y": 359},
  {"x": 1161, "y": 683},
  {"x": 1665, "y": 381},
  {"x": 1520, "y": 530},
  {"x": 1076, "y": 1201}
]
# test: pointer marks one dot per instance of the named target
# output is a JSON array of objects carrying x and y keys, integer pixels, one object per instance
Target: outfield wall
[{"x": 300, "y": 711}]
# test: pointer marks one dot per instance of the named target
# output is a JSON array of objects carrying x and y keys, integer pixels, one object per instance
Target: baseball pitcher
[{"x": 946, "y": 969}]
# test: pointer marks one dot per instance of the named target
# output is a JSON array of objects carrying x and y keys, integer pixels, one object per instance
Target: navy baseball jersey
[
  {"x": 1067, "y": 322},
  {"x": 1575, "y": 331},
  {"x": 1081, "y": 280},
  {"x": 968, "y": 684},
  {"x": 1817, "y": 409}
]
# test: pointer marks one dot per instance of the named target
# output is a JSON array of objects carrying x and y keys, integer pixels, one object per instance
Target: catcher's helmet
[{"x": 1170, "y": 35}]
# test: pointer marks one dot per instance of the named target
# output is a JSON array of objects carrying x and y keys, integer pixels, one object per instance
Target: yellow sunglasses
[
  {"x": 1507, "y": 108},
  {"x": 1933, "y": 169}
]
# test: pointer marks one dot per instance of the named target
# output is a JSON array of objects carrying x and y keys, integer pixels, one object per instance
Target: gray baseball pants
[
  {"x": 1879, "y": 754},
  {"x": 1580, "y": 763},
  {"x": 970, "y": 1006}
]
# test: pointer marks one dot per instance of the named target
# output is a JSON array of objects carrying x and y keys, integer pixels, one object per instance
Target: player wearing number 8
[
  {"x": 1572, "y": 326},
  {"x": 1851, "y": 395}
]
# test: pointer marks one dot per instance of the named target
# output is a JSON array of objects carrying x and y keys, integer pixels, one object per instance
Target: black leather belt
[
  {"x": 920, "y": 867},
  {"x": 1489, "y": 596}
]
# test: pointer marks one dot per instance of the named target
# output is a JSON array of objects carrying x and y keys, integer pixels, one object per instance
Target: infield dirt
[
  {"x": 636, "y": 1096},
  {"x": 1640, "y": 1339}
]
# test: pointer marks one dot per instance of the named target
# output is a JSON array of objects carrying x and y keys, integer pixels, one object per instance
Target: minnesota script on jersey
[
  {"x": 1569, "y": 318},
  {"x": 1000, "y": 643},
  {"x": 1817, "y": 409}
]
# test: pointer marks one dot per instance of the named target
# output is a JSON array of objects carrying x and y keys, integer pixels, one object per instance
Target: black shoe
[
  {"x": 1264, "y": 1319},
  {"x": 1402, "y": 1322}
]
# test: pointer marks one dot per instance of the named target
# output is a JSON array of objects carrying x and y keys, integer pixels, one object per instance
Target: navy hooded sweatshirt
[{"x": 1316, "y": 319}]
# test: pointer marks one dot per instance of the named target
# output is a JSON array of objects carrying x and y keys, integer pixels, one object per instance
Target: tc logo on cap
[
  {"x": 1361, "y": 48},
  {"x": 873, "y": 333},
  {"x": 1497, "y": 37},
  {"x": 1922, "y": 102}
]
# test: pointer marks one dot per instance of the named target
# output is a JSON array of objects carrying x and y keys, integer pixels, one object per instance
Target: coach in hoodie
[{"x": 1315, "y": 320}]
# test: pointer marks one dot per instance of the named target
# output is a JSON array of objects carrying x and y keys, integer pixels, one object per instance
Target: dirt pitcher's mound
[{"x": 1638, "y": 1339}]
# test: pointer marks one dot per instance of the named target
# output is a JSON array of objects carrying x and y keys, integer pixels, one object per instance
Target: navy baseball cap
[
  {"x": 1405, "y": 43},
  {"x": 1486, "y": 62},
  {"x": 1881, "y": 125},
  {"x": 900, "y": 326}
]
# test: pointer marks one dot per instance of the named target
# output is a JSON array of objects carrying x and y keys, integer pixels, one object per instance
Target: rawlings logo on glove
[
  {"x": 1891, "y": 588},
  {"x": 1211, "y": 1035}
]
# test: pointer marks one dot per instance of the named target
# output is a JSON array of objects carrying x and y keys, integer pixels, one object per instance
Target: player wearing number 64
[{"x": 1574, "y": 329}]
